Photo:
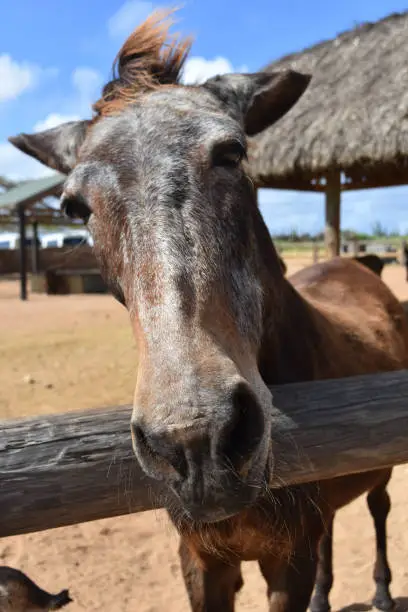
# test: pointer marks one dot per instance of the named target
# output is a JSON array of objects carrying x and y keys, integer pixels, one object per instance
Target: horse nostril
[
  {"x": 157, "y": 449},
  {"x": 243, "y": 434}
]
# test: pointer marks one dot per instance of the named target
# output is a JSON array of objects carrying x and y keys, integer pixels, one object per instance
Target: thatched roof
[{"x": 354, "y": 115}]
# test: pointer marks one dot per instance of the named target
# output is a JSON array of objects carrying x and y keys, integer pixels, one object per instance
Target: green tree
[{"x": 379, "y": 230}]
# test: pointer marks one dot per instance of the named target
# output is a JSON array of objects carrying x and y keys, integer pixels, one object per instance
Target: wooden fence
[
  {"x": 79, "y": 466},
  {"x": 79, "y": 257}
]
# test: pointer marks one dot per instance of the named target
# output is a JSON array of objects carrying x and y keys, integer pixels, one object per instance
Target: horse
[
  {"x": 372, "y": 262},
  {"x": 159, "y": 174}
]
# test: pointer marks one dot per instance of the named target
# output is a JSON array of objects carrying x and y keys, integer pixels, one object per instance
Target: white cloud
[
  {"x": 53, "y": 120},
  {"x": 198, "y": 69},
  {"x": 18, "y": 166},
  {"x": 15, "y": 77},
  {"x": 18, "y": 77},
  {"x": 86, "y": 83},
  {"x": 130, "y": 14}
]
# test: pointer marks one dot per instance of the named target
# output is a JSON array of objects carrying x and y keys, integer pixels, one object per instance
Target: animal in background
[
  {"x": 372, "y": 262},
  {"x": 18, "y": 593}
]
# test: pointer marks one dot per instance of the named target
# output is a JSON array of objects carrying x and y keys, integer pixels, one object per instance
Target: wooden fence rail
[{"x": 76, "y": 467}]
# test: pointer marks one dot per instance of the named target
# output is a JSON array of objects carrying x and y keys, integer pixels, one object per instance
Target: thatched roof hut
[{"x": 352, "y": 119}]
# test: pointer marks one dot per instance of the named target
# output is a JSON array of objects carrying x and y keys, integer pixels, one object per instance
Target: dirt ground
[{"x": 66, "y": 353}]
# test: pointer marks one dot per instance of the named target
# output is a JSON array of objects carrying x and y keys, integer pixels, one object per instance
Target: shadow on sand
[{"x": 401, "y": 605}]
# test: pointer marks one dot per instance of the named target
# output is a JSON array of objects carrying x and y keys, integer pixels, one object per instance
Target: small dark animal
[
  {"x": 159, "y": 177},
  {"x": 372, "y": 262},
  {"x": 20, "y": 594}
]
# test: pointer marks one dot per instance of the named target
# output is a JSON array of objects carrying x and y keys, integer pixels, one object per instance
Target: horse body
[
  {"x": 365, "y": 327},
  {"x": 159, "y": 176}
]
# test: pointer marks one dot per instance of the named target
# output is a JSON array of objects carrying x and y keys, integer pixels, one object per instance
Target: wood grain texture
[{"x": 79, "y": 466}]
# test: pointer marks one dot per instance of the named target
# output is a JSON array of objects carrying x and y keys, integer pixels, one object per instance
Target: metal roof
[
  {"x": 32, "y": 196},
  {"x": 28, "y": 193}
]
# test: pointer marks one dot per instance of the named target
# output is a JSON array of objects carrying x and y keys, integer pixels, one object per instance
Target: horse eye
[
  {"x": 228, "y": 154},
  {"x": 75, "y": 207}
]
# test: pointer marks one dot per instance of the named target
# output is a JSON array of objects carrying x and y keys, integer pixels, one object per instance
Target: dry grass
[{"x": 77, "y": 351}]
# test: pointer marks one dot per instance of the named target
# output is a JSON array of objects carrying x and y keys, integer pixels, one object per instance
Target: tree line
[{"x": 377, "y": 231}]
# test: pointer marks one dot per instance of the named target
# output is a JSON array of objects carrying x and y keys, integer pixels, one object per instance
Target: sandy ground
[{"x": 65, "y": 353}]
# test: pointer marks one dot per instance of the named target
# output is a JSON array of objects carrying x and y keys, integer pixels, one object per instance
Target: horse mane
[{"x": 149, "y": 58}]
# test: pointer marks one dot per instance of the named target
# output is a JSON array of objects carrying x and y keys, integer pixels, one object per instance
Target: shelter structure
[
  {"x": 25, "y": 203},
  {"x": 350, "y": 128},
  {"x": 5, "y": 184}
]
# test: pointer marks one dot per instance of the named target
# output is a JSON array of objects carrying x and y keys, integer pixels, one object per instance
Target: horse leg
[
  {"x": 324, "y": 576},
  {"x": 290, "y": 583},
  {"x": 211, "y": 587},
  {"x": 379, "y": 505}
]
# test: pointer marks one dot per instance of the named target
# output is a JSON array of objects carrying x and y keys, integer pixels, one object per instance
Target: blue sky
[{"x": 54, "y": 61}]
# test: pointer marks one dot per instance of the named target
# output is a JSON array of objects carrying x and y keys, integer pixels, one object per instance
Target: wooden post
[
  {"x": 403, "y": 253},
  {"x": 354, "y": 246},
  {"x": 23, "y": 260},
  {"x": 70, "y": 468},
  {"x": 35, "y": 256},
  {"x": 404, "y": 258},
  {"x": 315, "y": 253},
  {"x": 333, "y": 197}
]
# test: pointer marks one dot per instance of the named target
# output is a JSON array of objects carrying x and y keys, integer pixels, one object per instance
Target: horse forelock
[{"x": 150, "y": 58}]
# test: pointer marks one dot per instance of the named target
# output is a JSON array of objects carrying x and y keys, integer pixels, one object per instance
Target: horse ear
[
  {"x": 57, "y": 147},
  {"x": 260, "y": 98}
]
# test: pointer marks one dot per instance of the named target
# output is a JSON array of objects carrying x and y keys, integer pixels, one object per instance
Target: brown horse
[
  {"x": 158, "y": 176},
  {"x": 372, "y": 262}
]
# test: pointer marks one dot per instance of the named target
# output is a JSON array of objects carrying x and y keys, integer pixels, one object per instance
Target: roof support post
[
  {"x": 315, "y": 253},
  {"x": 332, "y": 229},
  {"x": 23, "y": 261},
  {"x": 35, "y": 253}
]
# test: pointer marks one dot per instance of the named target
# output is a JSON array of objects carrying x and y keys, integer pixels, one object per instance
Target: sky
[{"x": 53, "y": 63}]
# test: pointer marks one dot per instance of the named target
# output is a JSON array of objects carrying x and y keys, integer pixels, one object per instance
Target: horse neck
[{"x": 292, "y": 328}]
